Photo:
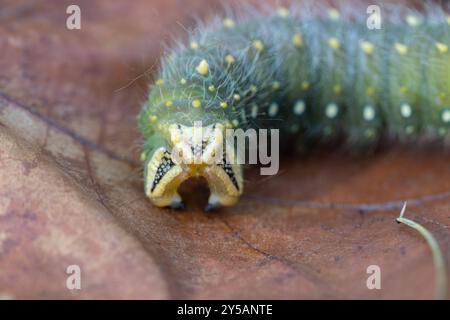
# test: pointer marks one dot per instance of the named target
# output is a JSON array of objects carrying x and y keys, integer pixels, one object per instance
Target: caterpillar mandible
[{"x": 314, "y": 77}]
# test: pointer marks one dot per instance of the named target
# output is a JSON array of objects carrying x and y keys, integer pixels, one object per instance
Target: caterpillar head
[{"x": 192, "y": 152}]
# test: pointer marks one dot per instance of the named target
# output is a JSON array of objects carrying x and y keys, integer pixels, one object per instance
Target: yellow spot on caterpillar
[
  {"x": 143, "y": 156},
  {"x": 194, "y": 45},
  {"x": 299, "y": 107},
  {"x": 211, "y": 88},
  {"x": 258, "y": 45},
  {"x": 405, "y": 110},
  {"x": 229, "y": 59},
  {"x": 331, "y": 110},
  {"x": 273, "y": 109},
  {"x": 334, "y": 43},
  {"x": 224, "y": 105},
  {"x": 441, "y": 47},
  {"x": 283, "y": 12},
  {"x": 153, "y": 119},
  {"x": 253, "y": 89},
  {"x": 229, "y": 23},
  {"x": 370, "y": 91},
  {"x": 448, "y": 19},
  {"x": 236, "y": 97},
  {"x": 254, "y": 112},
  {"x": 337, "y": 89},
  {"x": 159, "y": 82},
  {"x": 333, "y": 14},
  {"x": 445, "y": 116},
  {"x": 297, "y": 40},
  {"x": 403, "y": 89},
  {"x": 203, "y": 67},
  {"x": 401, "y": 48},
  {"x": 276, "y": 85},
  {"x": 169, "y": 103},
  {"x": 183, "y": 81},
  {"x": 412, "y": 20},
  {"x": 196, "y": 103},
  {"x": 368, "y": 113},
  {"x": 367, "y": 47}
]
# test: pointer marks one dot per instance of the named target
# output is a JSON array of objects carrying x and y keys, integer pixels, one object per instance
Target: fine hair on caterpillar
[{"x": 316, "y": 73}]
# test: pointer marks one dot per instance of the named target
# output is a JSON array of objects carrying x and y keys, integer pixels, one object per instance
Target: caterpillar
[{"x": 313, "y": 77}]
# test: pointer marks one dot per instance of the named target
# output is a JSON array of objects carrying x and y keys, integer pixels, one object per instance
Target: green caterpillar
[{"x": 311, "y": 76}]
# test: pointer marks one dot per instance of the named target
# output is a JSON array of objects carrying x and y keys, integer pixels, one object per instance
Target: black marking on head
[
  {"x": 228, "y": 168},
  {"x": 164, "y": 167}
]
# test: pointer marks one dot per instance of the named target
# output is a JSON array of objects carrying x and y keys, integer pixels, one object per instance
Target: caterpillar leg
[{"x": 195, "y": 151}]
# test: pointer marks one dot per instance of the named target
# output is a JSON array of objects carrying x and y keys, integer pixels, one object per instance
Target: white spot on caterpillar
[
  {"x": 258, "y": 45},
  {"x": 333, "y": 14},
  {"x": 276, "y": 85},
  {"x": 445, "y": 116},
  {"x": 235, "y": 123},
  {"x": 331, "y": 110},
  {"x": 283, "y": 12},
  {"x": 368, "y": 113},
  {"x": 405, "y": 110},
  {"x": 183, "y": 81},
  {"x": 194, "y": 45},
  {"x": 299, "y": 107},
  {"x": 254, "y": 113},
  {"x": 441, "y": 47},
  {"x": 273, "y": 109},
  {"x": 334, "y": 43},
  {"x": 367, "y": 47},
  {"x": 413, "y": 21},
  {"x": 203, "y": 67},
  {"x": 401, "y": 48},
  {"x": 297, "y": 40},
  {"x": 228, "y": 23}
]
